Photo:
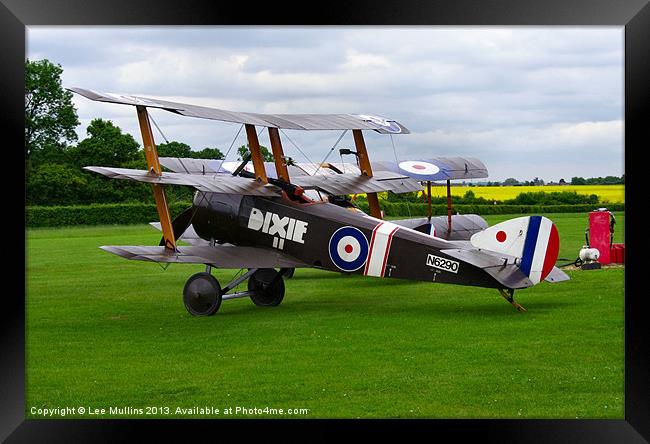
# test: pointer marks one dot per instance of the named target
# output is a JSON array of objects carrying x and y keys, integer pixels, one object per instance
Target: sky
[{"x": 529, "y": 102}]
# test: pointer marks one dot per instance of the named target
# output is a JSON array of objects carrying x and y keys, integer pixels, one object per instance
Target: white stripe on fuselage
[
  {"x": 540, "y": 250},
  {"x": 379, "y": 248}
]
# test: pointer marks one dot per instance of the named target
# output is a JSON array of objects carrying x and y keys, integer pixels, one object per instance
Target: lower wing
[{"x": 220, "y": 256}]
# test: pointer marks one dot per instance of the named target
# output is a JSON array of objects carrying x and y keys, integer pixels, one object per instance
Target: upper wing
[
  {"x": 285, "y": 121},
  {"x": 221, "y": 256}
]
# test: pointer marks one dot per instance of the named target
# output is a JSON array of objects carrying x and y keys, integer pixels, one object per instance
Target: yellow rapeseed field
[{"x": 605, "y": 193}]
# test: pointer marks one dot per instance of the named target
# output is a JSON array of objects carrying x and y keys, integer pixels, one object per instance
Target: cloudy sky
[{"x": 530, "y": 102}]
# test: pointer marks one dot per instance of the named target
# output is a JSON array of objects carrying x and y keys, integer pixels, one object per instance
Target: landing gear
[
  {"x": 266, "y": 287},
  {"x": 202, "y": 295},
  {"x": 287, "y": 273},
  {"x": 508, "y": 295}
]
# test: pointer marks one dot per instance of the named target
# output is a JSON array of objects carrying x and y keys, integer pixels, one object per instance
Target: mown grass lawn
[{"x": 105, "y": 332}]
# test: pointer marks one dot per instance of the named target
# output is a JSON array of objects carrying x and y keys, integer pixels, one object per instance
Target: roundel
[
  {"x": 418, "y": 167},
  {"x": 385, "y": 124},
  {"x": 348, "y": 248}
]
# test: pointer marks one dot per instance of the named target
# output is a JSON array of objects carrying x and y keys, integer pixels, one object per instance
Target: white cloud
[
  {"x": 528, "y": 101},
  {"x": 355, "y": 60}
]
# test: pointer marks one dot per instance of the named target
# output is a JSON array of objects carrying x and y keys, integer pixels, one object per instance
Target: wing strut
[
  {"x": 429, "y": 201},
  {"x": 256, "y": 154},
  {"x": 448, "y": 207},
  {"x": 366, "y": 170},
  {"x": 153, "y": 165},
  {"x": 278, "y": 154}
]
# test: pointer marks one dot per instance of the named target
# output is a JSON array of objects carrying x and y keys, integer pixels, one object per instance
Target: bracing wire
[
  {"x": 232, "y": 143},
  {"x": 394, "y": 150},
  {"x": 241, "y": 271},
  {"x": 296, "y": 146},
  {"x": 330, "y": 151},
  {"x": 408, "y": 207},
  {"x": 158, "y": 128},
  {"x": 165, "y": 266}
]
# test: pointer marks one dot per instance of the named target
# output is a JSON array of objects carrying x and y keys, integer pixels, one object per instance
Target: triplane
[{"x": 284, "y": 215}]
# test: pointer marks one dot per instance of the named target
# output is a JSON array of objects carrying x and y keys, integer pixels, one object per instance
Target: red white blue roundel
[
  {"x": 419, "y": 167},
  {"x": 348, "y": 248},
  {"x": 385, "y": 124}
]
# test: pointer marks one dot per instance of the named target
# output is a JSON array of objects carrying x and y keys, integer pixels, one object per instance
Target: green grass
[{"x": 105, "y": 332}]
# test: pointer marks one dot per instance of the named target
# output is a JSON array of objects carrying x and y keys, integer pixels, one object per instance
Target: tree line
[
  {"x": 608, "y": 180},
  {"x": 54, "y": 157},
  {"x": 529, "y": 198}
]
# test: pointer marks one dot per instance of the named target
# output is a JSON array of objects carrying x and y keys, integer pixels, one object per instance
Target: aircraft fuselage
[{"x": 326, "y": 236}]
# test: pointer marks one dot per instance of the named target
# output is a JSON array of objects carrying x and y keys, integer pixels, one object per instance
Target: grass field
[
  {"x": 606, "y": 193},
  {"x": 104, "y": 332}
]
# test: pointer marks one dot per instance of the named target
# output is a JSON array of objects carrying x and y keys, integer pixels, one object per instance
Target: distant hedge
[
  {"x": 411, "y": 209},
  {"x": 139, "y": 213},
  {"x": 97, "y": 214}
]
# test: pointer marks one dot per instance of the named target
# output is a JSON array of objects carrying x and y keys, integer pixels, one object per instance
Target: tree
[
  {"x": 174, "y": 149},
  {"x": 53, "y": 184},
  {"x": 469, "y": 196},
  {"x": 50, "y": 116},
  {"x": 48, "y": 155},
  {"x": 510, "y": 181},
  {"x": 104, "y": 146},
  {"x": 578, "y": 181},
  {"x": 208, "y": 153},
  {"x": 268, "y": 156}
]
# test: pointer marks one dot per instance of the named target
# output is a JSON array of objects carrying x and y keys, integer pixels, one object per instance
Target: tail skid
[{"x": 508, "y": 295}]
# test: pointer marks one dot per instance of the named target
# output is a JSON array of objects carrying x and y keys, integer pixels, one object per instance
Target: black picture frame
[{"x": 634, "y": 15}]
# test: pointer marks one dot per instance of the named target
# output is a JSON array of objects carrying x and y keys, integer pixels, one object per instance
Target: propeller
[{"x": 180, "y": 224}]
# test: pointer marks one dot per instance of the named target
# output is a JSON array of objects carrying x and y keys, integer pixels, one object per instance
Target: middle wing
[
  {"x": 336, "y": 184},
  {"x": 216, "y": 183},
  {"x": 339, "y": 184},
  {"x": 437, "y": 168},
  {"x": 432, "y": 169}
]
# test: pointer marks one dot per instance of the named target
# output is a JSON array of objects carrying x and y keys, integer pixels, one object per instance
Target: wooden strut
[
  {"x": 366, "y": 170},
  {"x": 278, "y": 154},
  {"x": 508, "y": 295},
  {"x": 153, "y": 165},
  {"x": 429, "y": 201},
  {"x": 256, "y": 154},
  {"x": 448, "y": 207}
]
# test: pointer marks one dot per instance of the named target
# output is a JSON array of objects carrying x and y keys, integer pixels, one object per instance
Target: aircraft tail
[{"x": 532, "y": 240}]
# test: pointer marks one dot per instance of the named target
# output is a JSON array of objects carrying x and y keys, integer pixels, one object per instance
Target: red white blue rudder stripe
[{"x": 532, "y": 239}]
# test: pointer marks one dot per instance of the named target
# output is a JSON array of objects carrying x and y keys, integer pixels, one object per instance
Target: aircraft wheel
[
  {"x": 202, "y": 295},
  {"x": 267, "y": 290}
]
